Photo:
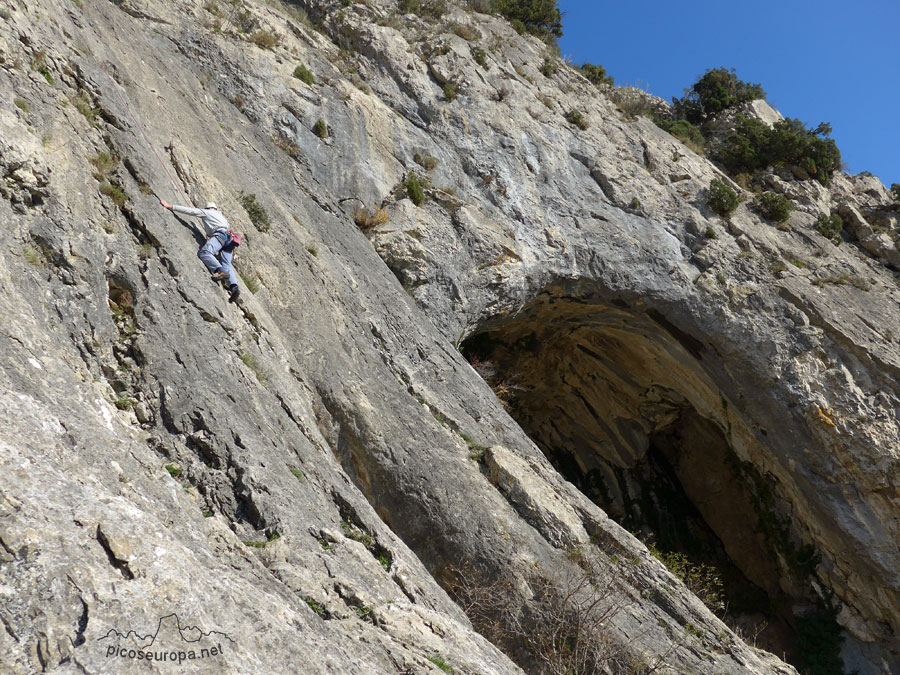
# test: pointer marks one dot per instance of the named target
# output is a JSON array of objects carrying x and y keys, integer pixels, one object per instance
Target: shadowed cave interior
[{"x": 618, "y": 400}]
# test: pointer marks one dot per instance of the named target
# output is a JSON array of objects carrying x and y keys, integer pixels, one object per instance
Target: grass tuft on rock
[
  {"x": 577, "y": 118},
  {"x": 414, "y": 189},
  {"x": 303, "y": 74},
  {"x": 256, "y": 212}
]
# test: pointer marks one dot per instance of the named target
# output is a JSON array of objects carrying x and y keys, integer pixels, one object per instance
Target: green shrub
[
  {"x": 440, "y": 663},
  {"x": 256, "y": 212},
  {"x": 774, "y": 206},
  {"x": 895, "y": 191},
  {"x": 746, "y": 150},
  {"x": 264, "y": 39},
  {"x": 577, "y": 118},
  {"x": 451, "y": 89},
  {"x": 428, "y": 162},
  {"x": 357, "y": 534},
  {"x": 114, "y": 192},
  {"x": 303, "y": 74},
  {"x": 22, "y": 104},
  {"x": 754, "y": 145},
  {"x": 34, "y": 256},
  {"x": 477, "y": 450},
  {"x": 685, "y": 132},
  {"x": 466, "y": 32},
  {"x": 538, "y": 17},
  {"x": 414, "y": 190},
  {"x": 596, "y": 74},
  {"x": 432, "y": 8},
  {"x": 272, "y": 536},
  {"x": 548, "y": 68},
  {"x": 810, "y": 149},
  {"x": 104, "y": 164},
  {"x": 290, "y": 148},
  {"x": 704, "y": 581},
  {"x": 39, "y": 63},
  {"x": 480, "y": 56},
  {"x": 83, "y": 105},
  {"x": 830, "y": 227},
  {"x": 717, "y": 90},
  {"x": 125, "y": 403},
  {"x": 320, "y": 129},
  {"x": 722, "y": 199},
  {"x": 632, "y": 102}
]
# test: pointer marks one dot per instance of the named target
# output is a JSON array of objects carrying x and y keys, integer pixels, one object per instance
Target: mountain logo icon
[{"x": 171, "y": 642}]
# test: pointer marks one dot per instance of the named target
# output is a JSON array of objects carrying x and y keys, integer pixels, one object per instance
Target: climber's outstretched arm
[{"x": 186, "y": 210}]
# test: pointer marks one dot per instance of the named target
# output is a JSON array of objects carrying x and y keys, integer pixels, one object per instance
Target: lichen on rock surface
[{"x": 315, "y": 478}]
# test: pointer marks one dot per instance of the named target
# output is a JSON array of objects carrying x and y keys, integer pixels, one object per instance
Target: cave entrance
[{"x": 620, "y": 402}]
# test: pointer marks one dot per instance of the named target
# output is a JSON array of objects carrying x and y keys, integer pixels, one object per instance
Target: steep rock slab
[
  {"x": 330, "y": 361},
  {"x": 616, "y": 214}
]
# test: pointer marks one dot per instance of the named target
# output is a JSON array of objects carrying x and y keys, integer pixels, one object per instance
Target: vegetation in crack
[
  {"x": 352, "y": 528},
  {"x": 562, "y": 628}
]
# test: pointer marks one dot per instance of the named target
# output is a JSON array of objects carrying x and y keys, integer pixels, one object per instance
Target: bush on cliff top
[
  {"x": 596, "y": 74},
  {"x": 684, "y": 131},
  {"x": 717, "y": 90},
  {"x": 754, "y": 145},
  {"x": 538, "y": 17}
]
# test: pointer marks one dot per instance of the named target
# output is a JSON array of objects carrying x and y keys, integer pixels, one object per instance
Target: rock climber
[{"x": 218, "y": 251}]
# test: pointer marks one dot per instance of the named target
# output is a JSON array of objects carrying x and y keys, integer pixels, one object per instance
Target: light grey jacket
[{"x": 212, "y": 220}]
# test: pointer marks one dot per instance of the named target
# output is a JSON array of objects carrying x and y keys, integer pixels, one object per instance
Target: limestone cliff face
[{"x": 309, "y": 470}]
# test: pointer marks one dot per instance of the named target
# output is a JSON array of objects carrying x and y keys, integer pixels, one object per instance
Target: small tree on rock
[
  {"x": 722, "y": 199},
  {"x": 538, "y": 17},
  {"x": 718, "y": 90}
]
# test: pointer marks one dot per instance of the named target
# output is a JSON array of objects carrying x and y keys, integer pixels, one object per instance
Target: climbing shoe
[
  {"x": 221, "y": 275},
  {"x": 235, "y": 293}
]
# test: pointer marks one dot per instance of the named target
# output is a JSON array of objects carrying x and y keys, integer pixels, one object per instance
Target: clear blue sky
[{"x": 829, "y": 61}]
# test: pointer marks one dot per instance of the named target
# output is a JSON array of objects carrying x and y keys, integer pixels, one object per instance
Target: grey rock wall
[{"x": 290, "y": 470}]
